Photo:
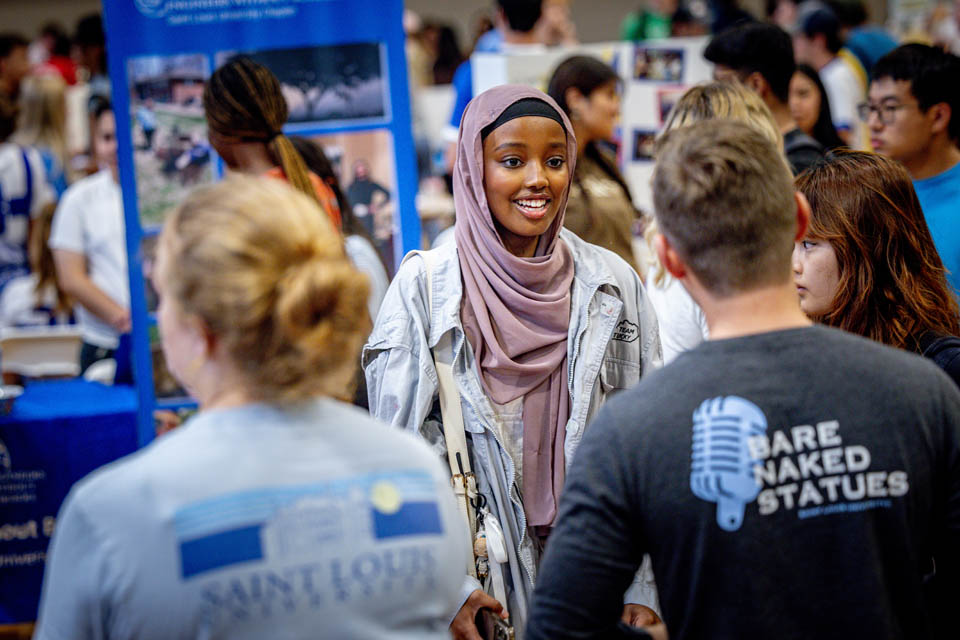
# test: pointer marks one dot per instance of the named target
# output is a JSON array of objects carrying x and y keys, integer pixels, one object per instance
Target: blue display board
[{"x": 342, "y": 67}]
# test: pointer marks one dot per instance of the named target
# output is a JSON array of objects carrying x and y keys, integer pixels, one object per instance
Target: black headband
[{"x": 520, "y": 109}]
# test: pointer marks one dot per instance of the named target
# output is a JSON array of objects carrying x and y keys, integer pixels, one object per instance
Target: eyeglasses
[{"x": 887, "y": 112}]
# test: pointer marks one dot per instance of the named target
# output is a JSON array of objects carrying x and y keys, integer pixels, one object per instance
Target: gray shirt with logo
[
  {"x": 259, "y": 522},
  {"x": 793, "y": 484}
]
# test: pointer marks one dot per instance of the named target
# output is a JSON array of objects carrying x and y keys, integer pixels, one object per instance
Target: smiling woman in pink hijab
[{"x": 539, "y": 327}]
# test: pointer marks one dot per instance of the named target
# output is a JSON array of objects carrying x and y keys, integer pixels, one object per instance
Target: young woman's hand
[{"x": 464, "y": 626}]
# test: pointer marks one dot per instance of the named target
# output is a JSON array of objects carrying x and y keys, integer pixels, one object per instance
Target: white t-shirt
[
  {"x": 17, "y": 207},
  {"x": 89, "y": 220},
  {"x": 260, "y": 522},
  {"x": 845, "y": 93},
  {"x": 682, "y": 323},
  {"x": 366, "y": 260}
]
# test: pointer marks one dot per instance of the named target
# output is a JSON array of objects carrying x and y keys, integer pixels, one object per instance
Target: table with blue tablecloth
[{"x": 58, "y": 432}]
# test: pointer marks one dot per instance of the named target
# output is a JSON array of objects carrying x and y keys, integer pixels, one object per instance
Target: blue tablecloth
[{"x": 58, "y": 432}]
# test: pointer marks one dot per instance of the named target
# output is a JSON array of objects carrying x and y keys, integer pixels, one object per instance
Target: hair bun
[{"x": 318, "y": 299}]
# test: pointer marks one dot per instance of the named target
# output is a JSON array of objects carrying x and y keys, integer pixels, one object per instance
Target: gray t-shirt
[
  {"x": 257, "y": 522},
  {"x": 793, "y": 485}
]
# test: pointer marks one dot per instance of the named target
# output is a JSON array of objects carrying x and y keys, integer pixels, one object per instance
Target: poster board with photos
[
  {"x": 654, "y": 74},
  {"x": 342, "y": 69}
]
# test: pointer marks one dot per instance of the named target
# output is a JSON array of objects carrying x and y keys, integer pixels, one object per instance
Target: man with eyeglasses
[{"x": 913, "y": 116}]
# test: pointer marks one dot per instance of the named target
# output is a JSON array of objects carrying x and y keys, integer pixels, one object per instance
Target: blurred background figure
[
  {"x": 651, "y": 20},
  {"x": 782, "y": 13},
  {"x": 556, "y": 27},
  {"x": 262, "y": 321},
  {"x": 447, "y": 55},
  {"x": 417, "y": 48},
  {"x": 868, "y": 264},
  {"x": 599, "y": 207},
  {"x": 37, "y": 299},
  {"x": 89, "y": 246},
  {"x": 810, "y": 107},
  {"x": 817, "y": 41},
  {"x": 90, "y": 53},
  {"x": 56, "y": 50},
  {"x": 42, "y": 125},
  {"x": 14, "y": 65},
  {"x": 866, "y": 42},
  {"x": 24, "y": 192},
  {"x": 726, "y": 14},
  {"x": 944, "y": 26},
  {"x": 684, "y": 24}
]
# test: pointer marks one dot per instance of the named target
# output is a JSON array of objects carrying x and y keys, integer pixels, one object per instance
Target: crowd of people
[{"x": 750, "y": 428}]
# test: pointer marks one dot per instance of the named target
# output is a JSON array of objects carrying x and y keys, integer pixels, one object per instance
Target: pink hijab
[{"x": 516, "y": 311}]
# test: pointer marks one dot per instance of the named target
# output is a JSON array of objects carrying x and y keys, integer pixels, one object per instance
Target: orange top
[{"x": 324, "y": 194}]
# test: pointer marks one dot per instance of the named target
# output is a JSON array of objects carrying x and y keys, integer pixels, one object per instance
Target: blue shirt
[{"x": 940, "y": 198}]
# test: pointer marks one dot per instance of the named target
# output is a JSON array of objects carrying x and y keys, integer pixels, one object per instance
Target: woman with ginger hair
[
  {"x": 682, "y": 323},
  {"x": 276, "y": 511},
  {"x": 868, "y": 264}
]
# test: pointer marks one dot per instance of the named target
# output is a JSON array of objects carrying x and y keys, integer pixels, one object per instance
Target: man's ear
[
  {"x": 669, "y": 257},
  {"x": 803, "y": 215},
  {"x": 758, "y": 84},
  {"x": 939, "y": 116}
]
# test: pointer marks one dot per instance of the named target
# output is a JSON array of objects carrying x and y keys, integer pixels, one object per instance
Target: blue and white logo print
[
  {"x": 152, "y": 8},
  {"x": 723, "y": 469}
]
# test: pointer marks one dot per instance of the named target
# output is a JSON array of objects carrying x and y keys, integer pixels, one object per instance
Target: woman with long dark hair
[
  {"x": 600, "y": 209},
  {"x": 868, "y": 264},
  {"x": 810, "y": 107}
]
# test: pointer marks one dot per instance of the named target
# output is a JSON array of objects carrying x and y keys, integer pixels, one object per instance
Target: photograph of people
[{"x": 540, "y": 327}]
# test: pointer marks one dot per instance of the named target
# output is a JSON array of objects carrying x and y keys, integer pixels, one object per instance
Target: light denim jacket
[{"x": 612, "y": 341}]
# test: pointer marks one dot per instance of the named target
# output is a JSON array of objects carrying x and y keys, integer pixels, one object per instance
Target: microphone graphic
[{"x": 722, "y": 468}]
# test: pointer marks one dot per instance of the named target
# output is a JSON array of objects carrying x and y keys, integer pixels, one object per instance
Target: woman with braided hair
[{"x": 246, "y": 111}]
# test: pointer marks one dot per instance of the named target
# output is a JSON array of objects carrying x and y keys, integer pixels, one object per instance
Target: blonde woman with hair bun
[
  {"x": 276, "y": 511},
  {"x": 682, "y": 323}
]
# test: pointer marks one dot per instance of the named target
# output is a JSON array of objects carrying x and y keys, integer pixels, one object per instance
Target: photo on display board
[
  {"x": 169, "y": 133},
  {"x": 364, "y": 165},
  {"x": 334, "y": 84},
  {"x": 666, "y": 99},
  {"x": 644, "y": 142},
  {"x": 661, "y": 64},
  {"x": 164, "y": 384}
]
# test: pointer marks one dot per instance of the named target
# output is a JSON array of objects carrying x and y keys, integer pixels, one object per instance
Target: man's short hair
[
  {"x": 756, "y": 47},
  {"x": 934, "y": 77},
  {"x": 11, "y": 41},
  {"x": 521, "y": 15},
  {"x": 724, "y": 199},
  {"x": 814, "y": 19}
]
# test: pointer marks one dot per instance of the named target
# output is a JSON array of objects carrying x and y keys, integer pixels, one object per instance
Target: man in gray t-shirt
[{"x": 788, "y": 481}]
